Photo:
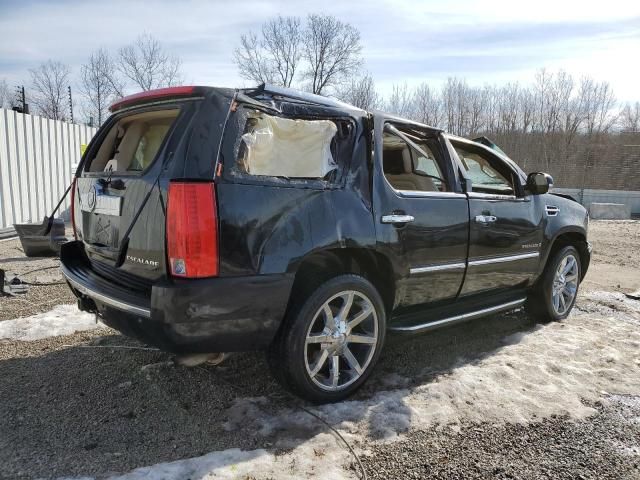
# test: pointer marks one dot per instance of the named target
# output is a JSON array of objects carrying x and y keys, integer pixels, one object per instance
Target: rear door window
[
  {"x": 289, "y": 148},
  {"x": 133, "y": 142}
]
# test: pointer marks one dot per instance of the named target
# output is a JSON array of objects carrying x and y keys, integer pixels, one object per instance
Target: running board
[{"x": 463, "y": 317}]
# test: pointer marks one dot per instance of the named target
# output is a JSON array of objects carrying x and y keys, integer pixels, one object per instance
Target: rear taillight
[
  {"x": 192, "y": 230},
  {"x": 73, "y": 208}
]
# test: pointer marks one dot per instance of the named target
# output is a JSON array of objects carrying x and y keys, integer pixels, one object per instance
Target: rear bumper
[{"x": 188, "y": 316}]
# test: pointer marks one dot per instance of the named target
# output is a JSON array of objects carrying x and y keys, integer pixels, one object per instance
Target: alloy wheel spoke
[
  {"x": 346, "y": 307},
  {"x": 360, "y": 317},
  {"x": 569, "y": 266},
  {"x": 556, "y": 301},
  {"x": 361, "y": 339},
  {"x": 324, "y": 354},
  {"x": 571, "y": 278},
  {"x": 335, "y": 370},
  {"x": 329, "y": 320},
  {"x": 562, "y": 302},
  {"x": 351, "y": 360},
  {"x": 320, "y": 338}
]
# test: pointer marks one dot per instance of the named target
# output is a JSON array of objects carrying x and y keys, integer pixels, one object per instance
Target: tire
[
  {"x": 303, "y": 355},
  {"x": 553, "y": 297}
]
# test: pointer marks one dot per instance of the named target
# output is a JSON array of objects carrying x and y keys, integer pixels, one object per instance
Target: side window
[
  {"x": 412, "y": 169},
  {"x": 485, "y": 172},
  {"x": 289, "y": 148}
]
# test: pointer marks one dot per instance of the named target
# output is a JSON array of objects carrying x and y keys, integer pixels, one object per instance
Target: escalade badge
[{"x": 143, "y": 261}]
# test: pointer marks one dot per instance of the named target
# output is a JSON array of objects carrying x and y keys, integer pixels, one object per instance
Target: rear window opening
[
  {"x": 274, "y": 146},
  {"x": 133, "y": 142}
]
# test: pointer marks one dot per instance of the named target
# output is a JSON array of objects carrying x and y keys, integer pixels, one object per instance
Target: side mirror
[{"x": 539, "y": 183}]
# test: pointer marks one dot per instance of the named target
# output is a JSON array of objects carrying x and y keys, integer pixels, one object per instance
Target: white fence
[{"x": 36, "y": 159}]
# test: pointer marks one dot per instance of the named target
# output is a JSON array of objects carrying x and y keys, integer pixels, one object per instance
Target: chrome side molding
[
  {"x": 437, "y": 268},
  {"x": 507, "y": 258},
  {"x": 459, "y": 318}
]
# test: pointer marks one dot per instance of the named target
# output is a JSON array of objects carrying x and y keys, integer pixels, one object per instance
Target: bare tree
[
  {"x": 98, "y": 85},
  {"x": 275, "y": 55},
  {"x": 5, "y": 94},
  {"x": 598, "y": 102},
  {"x": 630, "y": 117},
  {"x": 49, "y": 83},
  {"x": 251, "y": 61},
  {"x": 427, "y": 105},
  {"x": 401, "y": 101},
  {"x": 332, "y": 51},
  {"x": 147, "y": 65},
  {"x": 281, "y": 38},
  {"x": 360, "y": 92}
]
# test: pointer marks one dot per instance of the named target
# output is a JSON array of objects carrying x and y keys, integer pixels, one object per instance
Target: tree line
[
  {"x": 324, "y": 55},
  {"x": 103, "y": 78}
]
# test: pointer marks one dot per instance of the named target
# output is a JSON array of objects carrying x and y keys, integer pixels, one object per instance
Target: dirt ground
[{"x": 500, "y": 398}]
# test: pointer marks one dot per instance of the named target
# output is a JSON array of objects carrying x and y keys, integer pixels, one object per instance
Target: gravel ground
[
  {"x": 80, "y": 405},
  {"x": 39, "y": 298},
  {"x": 550, "y": 449}
]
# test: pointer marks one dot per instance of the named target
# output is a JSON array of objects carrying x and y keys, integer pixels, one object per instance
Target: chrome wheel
[
  {"x": 341, "y": 340},
  {"x": 565, "y": 285}
]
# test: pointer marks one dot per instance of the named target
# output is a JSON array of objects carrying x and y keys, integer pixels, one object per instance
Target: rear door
[
  {"x": 420, "y": 217},
  {"x": 505, "y": 228}
]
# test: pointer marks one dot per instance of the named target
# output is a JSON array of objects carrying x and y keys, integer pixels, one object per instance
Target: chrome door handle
[
  {"x": 397, "y": 218},
  {"x": 486, "y": 218}
]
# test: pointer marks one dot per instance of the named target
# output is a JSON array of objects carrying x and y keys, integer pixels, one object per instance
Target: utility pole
[
  {"x": 70, "y": 104},
  {"x": 22, "y": 101}
]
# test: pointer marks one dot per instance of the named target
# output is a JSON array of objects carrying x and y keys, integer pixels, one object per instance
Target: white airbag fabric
[{"x": 282, "y": 147}]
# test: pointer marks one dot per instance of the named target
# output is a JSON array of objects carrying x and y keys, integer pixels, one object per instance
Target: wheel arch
[
  {"x": 320, "y": 266},
  {"x": 574, "y": 237}
]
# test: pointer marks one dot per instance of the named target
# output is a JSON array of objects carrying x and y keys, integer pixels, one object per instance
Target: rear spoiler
[{"x": 154, "y": 95}]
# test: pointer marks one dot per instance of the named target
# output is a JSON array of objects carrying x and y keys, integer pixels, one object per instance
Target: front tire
[
  {"x": 330, "y": 341},
  {"x": 555, "y": 294}
]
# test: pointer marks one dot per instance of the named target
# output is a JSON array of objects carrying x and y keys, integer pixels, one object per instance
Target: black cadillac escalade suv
[{"x": 221, "y": 220}]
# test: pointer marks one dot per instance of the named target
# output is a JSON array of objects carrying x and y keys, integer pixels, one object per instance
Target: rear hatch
[{"x": 121, "y": 196}]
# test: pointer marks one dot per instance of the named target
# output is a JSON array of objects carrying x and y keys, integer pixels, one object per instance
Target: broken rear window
[{"x": 283, "y": 147}]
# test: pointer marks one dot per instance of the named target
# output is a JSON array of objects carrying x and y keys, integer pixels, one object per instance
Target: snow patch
[
  {"x": 62, "y": 320},
  {"x": 548, "y": 370},
  {"x": 317, "y": 459}
]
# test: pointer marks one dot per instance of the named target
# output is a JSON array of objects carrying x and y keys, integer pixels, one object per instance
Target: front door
[
  {"x": 505, "y": 228},
  {"x": 419, "y": 216}
]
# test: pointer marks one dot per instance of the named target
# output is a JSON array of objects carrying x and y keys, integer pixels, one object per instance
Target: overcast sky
[{"x": 485, "y": 41}]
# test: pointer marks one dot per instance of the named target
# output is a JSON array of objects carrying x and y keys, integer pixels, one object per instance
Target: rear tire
[
  {"x": 330, "y": 341},
  {"x": 555, "y": 293}
]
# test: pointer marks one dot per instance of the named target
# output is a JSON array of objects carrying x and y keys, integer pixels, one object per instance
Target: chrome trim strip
[
  {"x": 422, "y": 193},
  {"x": 125, "y": 307},
  {"x": 461, "y": 317},
  {"x": 437, "y": 268},
  {"x": 509, "y": 258},
  {"x": 552, "y": 210},
  {"x": 492, "y": 196}
]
